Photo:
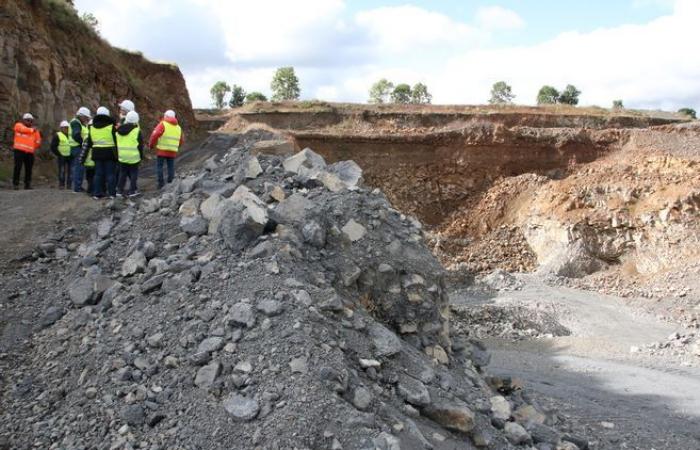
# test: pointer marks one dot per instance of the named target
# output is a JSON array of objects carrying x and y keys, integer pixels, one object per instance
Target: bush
[
  {"x": 401, "y": 94},
  {"x": 690, "y": 112},
  {"x": 501, "y": 94},
  {"x": 548, "y": 95},
  {"x": 618, "y": 105},
  {"x": 570, "y": 95}
]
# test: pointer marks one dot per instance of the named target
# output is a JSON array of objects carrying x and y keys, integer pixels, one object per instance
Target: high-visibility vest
[
  {"x": 170, "y": 140},
  {"x": 128, "y": 147},
  {"x": 63, "y": 144},
  {"x": 88, "y": 160},
  {"x": 102, "y": 137},
  {"x": 26, "y": 139},
  {"x": 83, "y": 132}
]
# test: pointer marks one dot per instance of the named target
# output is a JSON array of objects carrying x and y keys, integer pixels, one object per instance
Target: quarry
[{"x": 343, "y": 276}]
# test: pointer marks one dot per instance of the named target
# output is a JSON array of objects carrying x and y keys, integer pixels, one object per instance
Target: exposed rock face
[{"x": 51, "y": 63}]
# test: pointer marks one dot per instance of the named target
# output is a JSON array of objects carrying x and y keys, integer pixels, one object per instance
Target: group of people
[{"x": 99, "y": 150}]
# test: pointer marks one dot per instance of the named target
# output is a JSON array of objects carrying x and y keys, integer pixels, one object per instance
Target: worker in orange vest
[{"x": 27, "y": 141}]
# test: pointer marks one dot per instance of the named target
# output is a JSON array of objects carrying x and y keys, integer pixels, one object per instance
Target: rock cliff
[{"x": 51, "y": 63}]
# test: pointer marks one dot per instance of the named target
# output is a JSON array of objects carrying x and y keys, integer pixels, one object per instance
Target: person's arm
[
  {"x": 76, "y": 132},
  {"x": 140, "y": 138},
  {"x": 157, "y": 133},
  {"x": 37, "y": 138},
  {"x": 54, "y": 146}
]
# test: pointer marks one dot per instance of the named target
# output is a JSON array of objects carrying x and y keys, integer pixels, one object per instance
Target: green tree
[
  {"x": 237, "y": 96},
  {"x": 690, "y": 112},
  {"x": 501, "y": 94},
  {"x": 91, "y": 21},
  {"x": 401, "y": 94},
  {"x": 618, "y": 105},
  {"x": 285, "y": 85},
  {"x": 548, "y": 95},
  {"x": 570, "y": 95},
  {"x": 420, "y": 94},
  {"x": 255, "y": 96},
  {"x": 380, "y": 91},
  {"x": 218, "y": 92}
]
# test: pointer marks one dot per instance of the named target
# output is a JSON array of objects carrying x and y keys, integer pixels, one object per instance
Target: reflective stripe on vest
[
  {"x": 102, "y": 137},
  {"x": 170, "y": 140},
  {"x": 25, "y": 142},
  {"x": 83, "y": 132},
  {"x": 63, "y": 144},
  {"x": 88, "y": 160},
  {"x": 128, "y": 147}
]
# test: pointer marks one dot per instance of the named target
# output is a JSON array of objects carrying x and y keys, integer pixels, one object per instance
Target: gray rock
[
  {"x": 361, "y": 398},
  {"x": 134, "y": 263},
  {"x": 386, "y": 343},
  {"x": 209, "y": 206},
  {"x": 516, "y": 434},
  {"x": 543, "y": 433},
  {"x": 244, "y": 220},
  {"x": 206, "y": 375},
  {"x": 269, "y": 307},
  {"x": 299, "y": 365},
  {"x": 155, "y": 340},
  {"x": 500, "y": 408},
  {"x": 353, "y": 231},
  {"x": 294, "y": 210},
  {"x": 386, "y": 441},
  {"x": 252, "y": 168},
  {"x": 307, "y": 163},
  {"x": 241, "y": 408},
  {"x": 242, "y": 314},
  {"x": 104, "y": 227},
  {"x": 348, "y": 172},
  {"x": 52, "y": 315},
  {"x": 333, "y": 303},
  {"x": 194, "y": 225},
  {"x": 133, "y": 415},
  {"x": 413, "y": 391},
  {"x": 211, "y": 344},
  {"x": 314, "y": 234},
  {"x": 81, "y": 291},
  {"x": 152, "y": 284}
]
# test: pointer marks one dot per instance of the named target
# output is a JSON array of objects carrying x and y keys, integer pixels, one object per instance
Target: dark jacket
[
  {"x": 54, "y": 146},
  {"x": 125, "y": 129},
  {"x": 76, "y": 130},
  {"x": 103, "y": 153}
]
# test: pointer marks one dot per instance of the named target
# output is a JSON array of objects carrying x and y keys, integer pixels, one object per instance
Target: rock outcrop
[{"x": 51, "y": 63}]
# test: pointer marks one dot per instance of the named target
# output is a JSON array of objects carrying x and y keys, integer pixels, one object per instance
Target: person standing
[
  {"x": 60, "y": 146},
  {"x": 130, "y": 154},
  {"x": 101, "y": 147},
  {"x": 167, "y": 138},
  {"x": 77, "y": 135},
  {"x": 27, "y": 140}
]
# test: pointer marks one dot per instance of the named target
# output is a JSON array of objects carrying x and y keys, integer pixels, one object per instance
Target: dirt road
[{"x": 617, "y": 399}]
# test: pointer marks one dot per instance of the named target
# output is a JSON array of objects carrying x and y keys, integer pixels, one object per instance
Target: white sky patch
[
  {"x": 499, "y": 18},
  {"x": 338, "y": 55}
]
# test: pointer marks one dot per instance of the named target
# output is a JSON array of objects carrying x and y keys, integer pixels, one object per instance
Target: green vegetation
[
  {"x": 570, "y": 95},
  {"x": 238, "y": 96},
  {"x": 401, "y": 94},
  {"x": 380, "y": 91},
  {"x": 549, "y": 95},
  {"x": 255, "y": 96},
  {"x": 420, "y": 95},
  {"x": 91, "y": 21},
  {"x": 618, "y": 105},
  {"x": 218, "y": 92},
  {"x": 285, "y": 85},
  {"x": 690, "y": 112},
  {"x": 501, "y": 94}
]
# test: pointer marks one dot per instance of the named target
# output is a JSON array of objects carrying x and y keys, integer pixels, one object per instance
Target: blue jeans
[
  {"x": 65, "y": 166},
  {"x": 170, "y": 162},
  {"x": 77, "y": 169},
  {"x": 130, "y": 171},
  {"x": 104, "y": 172}
]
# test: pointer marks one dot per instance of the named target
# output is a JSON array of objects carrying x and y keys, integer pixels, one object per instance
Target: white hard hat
[
  {"x": 83, "y": 111},
  {"x": 127, "y": 105},
  {"x": 64, "y": 124},
  {"x": 27, "y": 116},
  {"x": 170, "y": 113},
  {"x": 132, "y": 117},
  {"x": 102, "y": 111}
]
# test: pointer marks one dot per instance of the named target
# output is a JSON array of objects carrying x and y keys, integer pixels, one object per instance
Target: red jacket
[
  {"x": 158, "y": 132},
  {"x": 27, "y": 139}
]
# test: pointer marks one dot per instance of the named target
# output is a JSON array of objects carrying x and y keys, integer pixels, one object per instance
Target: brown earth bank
[
  {"x": 599, "y": 199},
  {"x": 51, "y": 63}
]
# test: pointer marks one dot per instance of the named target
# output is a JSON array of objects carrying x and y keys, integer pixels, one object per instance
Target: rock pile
[{"x": 262, "y": 302}]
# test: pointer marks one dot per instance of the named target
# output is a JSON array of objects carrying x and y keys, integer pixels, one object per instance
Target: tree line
[{"x": 285, "y": 86}]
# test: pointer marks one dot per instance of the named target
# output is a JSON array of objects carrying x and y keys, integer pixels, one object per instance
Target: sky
[{"x": 640, "y": 51}]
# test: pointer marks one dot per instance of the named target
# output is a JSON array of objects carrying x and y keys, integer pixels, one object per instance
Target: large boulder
[
  {"x": 243, "y": 219},
  {"x": 293, "y": 210},
  {"x": 306, "y": 163}
]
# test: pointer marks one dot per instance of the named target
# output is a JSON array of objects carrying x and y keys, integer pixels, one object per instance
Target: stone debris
[{"x": 267, "y": 310}]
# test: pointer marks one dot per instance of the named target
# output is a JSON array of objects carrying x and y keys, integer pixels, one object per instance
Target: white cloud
[
  {"x": 339, "y": 55},
  {"x": 498, "y": 18}
]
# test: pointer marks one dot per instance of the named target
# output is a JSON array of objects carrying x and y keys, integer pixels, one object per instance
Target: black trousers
[{"x": 23, "y": 159}]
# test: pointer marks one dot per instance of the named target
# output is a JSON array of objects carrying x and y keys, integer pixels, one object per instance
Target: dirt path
[{"x": 617, "y": 399}]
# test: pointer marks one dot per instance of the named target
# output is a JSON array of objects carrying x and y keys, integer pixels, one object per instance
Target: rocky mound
[{"x": 263, "y": 302}]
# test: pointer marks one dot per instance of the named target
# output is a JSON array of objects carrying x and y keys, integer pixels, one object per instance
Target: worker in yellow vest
[
  {"x": 167, "y": 139},
  {"x": 129, "y": 154},
  {"x": 102, "y": 142},
  {"x": 60, "y": 146},
  {"x": 77, "y": 134}
]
